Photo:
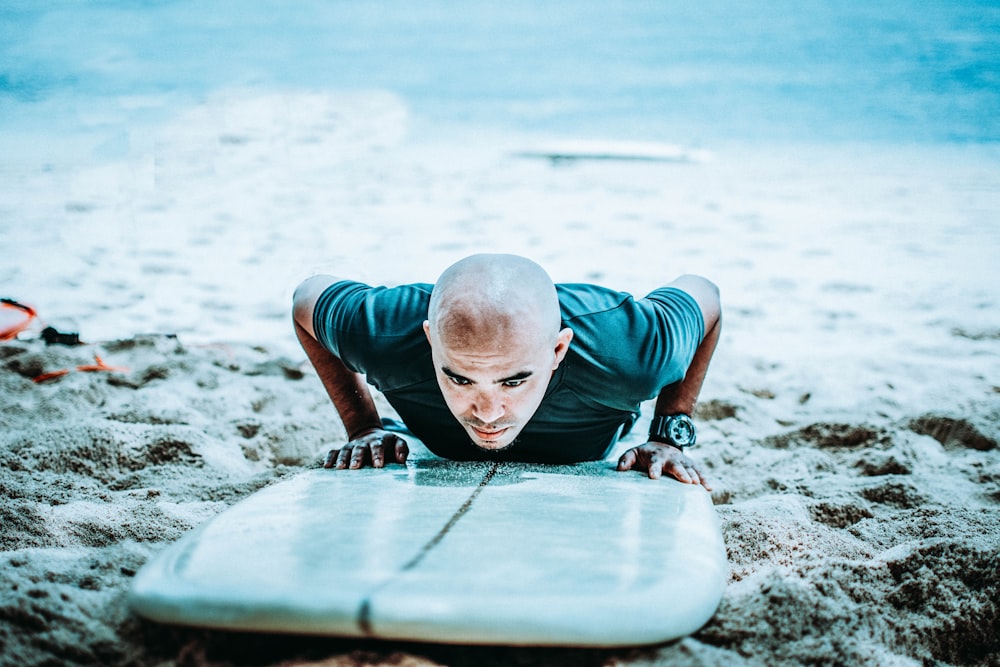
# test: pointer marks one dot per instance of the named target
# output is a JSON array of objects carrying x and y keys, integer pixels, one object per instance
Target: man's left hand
[{"x": 656, "y": 459}]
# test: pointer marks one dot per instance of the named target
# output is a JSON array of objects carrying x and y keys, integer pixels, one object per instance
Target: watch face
[{"x": 681, "y": 430}]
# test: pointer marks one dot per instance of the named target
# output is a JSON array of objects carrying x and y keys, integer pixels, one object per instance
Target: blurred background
[
  {"x": 86, "y": 77},
  {"x": 178, "y": 166}
]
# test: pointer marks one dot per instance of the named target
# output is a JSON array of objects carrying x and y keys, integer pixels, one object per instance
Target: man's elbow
[
  {"x": 706, "y": 294},
  {"x": 304, "y": 300}
]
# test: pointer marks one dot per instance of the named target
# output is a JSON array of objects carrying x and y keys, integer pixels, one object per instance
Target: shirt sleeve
[
  {"x": 625, "y": 350},
  {"x": 680, "y": 328},
  {"x": 377, "y": 331}
]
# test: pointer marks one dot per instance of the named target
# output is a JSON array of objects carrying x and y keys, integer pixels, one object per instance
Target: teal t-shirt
[{"x": 623, "y": 352}]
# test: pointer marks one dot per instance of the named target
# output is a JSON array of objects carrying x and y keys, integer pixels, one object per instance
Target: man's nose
[{"x": 488, "y": 408}]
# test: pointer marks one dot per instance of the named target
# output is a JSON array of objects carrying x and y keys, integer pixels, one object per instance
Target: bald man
[{"x": 495, "y": 362}]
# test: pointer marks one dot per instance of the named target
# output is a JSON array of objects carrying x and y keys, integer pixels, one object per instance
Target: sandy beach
[{"x": 850, "y": 421}]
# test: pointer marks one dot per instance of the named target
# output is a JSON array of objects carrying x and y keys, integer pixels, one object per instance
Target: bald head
[
  {"x": 494, "y": 329},
  {"x": 484, "y": 300}
]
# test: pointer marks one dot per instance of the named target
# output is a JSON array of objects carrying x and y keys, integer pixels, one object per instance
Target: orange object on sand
[
  {"x": 99, "y": 365},
  {"x": 14, "y": 318},
  {"x": 51, "y": 375}
]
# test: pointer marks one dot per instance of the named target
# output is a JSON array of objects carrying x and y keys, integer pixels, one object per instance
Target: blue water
[{"x": 692, "y": 72}]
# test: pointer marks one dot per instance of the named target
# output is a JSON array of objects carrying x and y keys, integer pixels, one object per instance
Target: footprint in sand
[
  {"x": 840, "y": 514},
  {"x": 875, "y": 463},
  {"x": 836, "y": 437},
  {"x": 952, "y": 433},
  {"x": 895, "y": 493},
  {"x": 714, "y": 409}
]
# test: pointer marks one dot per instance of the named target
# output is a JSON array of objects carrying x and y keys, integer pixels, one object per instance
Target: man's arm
[
  {"x": 367, "y": 440},
  {"x": 657, "y": 457}
]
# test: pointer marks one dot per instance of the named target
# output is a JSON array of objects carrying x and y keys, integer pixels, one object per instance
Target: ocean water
[{"x": 78, "y": 75}]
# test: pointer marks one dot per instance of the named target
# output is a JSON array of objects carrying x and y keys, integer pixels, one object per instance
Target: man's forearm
[
  {"x": 347, "y": 389},
  {"x": 681, "y": 397}
]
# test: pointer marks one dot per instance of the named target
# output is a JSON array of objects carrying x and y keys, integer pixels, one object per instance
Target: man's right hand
[{"x": 370, "y": 448}]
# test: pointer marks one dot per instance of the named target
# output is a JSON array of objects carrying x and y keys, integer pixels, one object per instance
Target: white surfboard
[
  {"x": 442, "y": 551},
  {"x": 593, "y": 149}
]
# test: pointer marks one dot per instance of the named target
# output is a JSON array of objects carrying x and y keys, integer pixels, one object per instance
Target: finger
[
  {"x": 377, "y": 450},
  {"x": 402, "y": 450},
  {"x": 358, "y": 456},
  {"x": 656, "y": 465},
  {"x": 627, "y": 460},
  {"x": 699, "y": 477},
  {"x": 343, "y": 458},
  {"x": 331, "y": 458},
  {"x": 679, "y": 472}
]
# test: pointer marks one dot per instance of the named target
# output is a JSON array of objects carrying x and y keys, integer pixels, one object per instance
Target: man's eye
[
  {"x": 513, "y": 383},
  {"x": 461, "y": 382}
]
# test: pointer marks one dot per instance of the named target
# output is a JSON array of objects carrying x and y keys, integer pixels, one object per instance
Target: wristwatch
[{"x": 677, "y": 430}]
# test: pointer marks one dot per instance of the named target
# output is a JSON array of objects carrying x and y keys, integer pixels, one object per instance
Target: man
[{"x": 495, "y": 362}]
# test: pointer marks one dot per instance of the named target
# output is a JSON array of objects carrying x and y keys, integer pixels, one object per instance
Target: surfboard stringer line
[{"x": 364, "y": 610}]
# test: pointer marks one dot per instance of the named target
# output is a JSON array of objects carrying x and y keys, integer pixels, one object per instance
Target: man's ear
[
  {"x": 427, "y": 331},
  {"x": 562, "y": 345}
]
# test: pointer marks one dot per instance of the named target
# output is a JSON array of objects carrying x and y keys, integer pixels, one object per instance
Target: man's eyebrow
[
  {"x": 452, "y": 374},
  {"x": 523, "y": 375}
]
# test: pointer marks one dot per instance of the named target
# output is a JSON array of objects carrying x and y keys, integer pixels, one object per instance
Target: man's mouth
[{"x": 490, "y": 435}]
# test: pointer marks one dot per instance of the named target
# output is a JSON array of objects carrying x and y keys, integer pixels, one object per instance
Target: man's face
[{"x": 494, "y": 388}]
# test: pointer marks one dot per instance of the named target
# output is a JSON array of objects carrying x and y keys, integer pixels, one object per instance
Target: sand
[{"x": 850, "y": 421}]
